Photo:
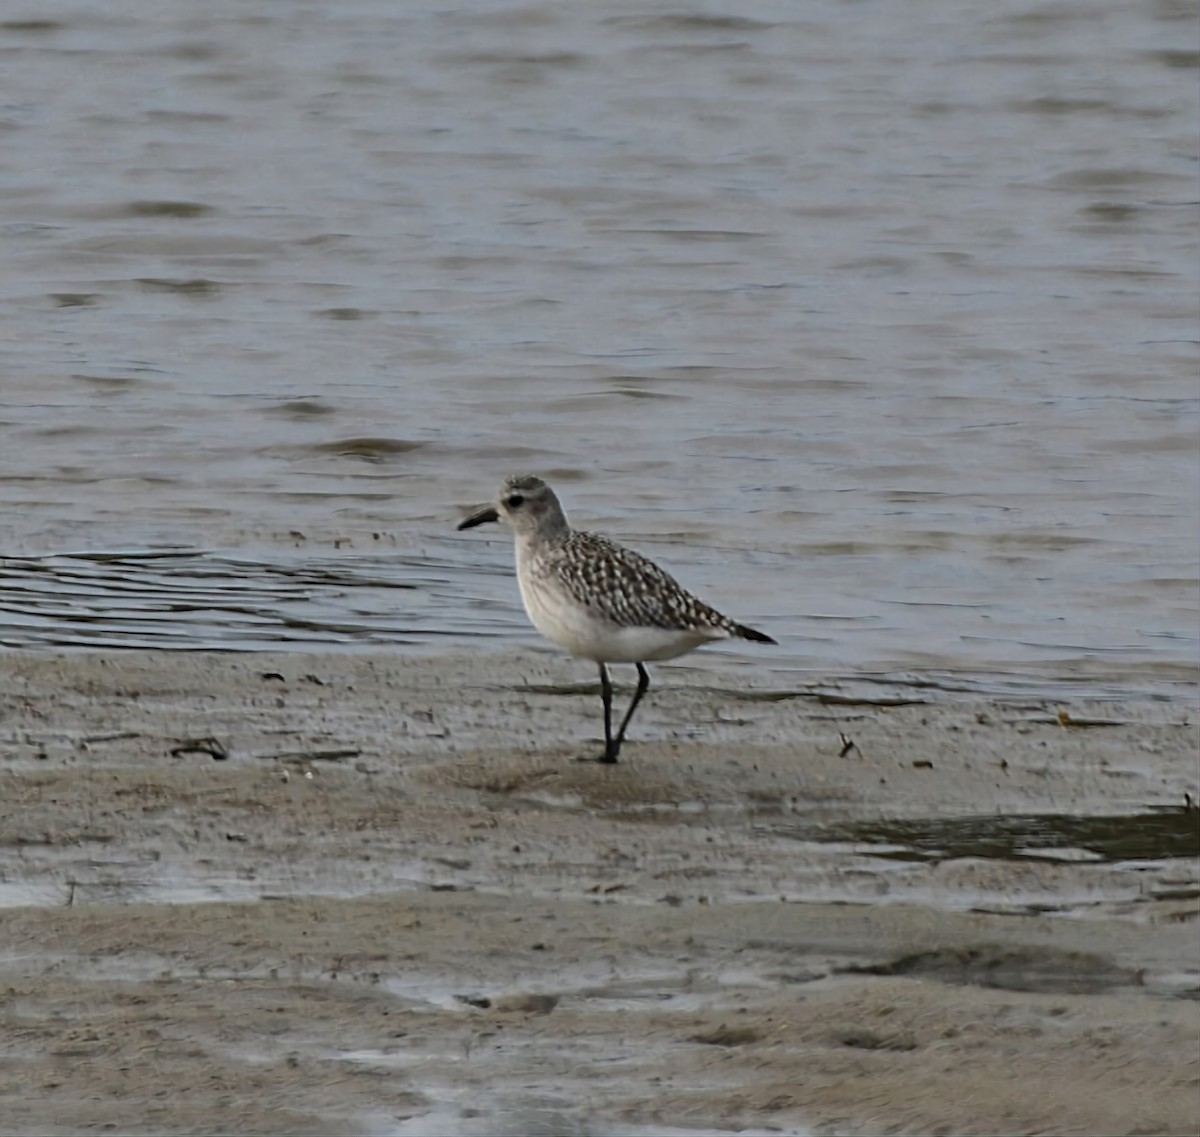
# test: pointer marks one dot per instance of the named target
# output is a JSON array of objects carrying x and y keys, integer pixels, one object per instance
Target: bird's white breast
[{"x": 579, "y": 632}]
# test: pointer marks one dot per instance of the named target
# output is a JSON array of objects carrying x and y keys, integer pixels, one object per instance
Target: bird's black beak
[{"x": 480, "y": 517}]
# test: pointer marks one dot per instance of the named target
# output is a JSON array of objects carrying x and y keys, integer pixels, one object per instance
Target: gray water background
[{"x": 875, "y": 322}]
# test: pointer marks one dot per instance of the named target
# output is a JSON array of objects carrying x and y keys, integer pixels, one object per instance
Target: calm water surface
[{"x": 876, "y": 322}]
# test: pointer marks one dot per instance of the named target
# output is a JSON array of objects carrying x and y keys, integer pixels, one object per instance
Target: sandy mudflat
[{"x": 397, "y": 906}]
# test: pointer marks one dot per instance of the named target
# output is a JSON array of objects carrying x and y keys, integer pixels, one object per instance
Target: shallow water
[
  {"x": 880, "y": 332},
  {"x": 1110, "y": 839}
]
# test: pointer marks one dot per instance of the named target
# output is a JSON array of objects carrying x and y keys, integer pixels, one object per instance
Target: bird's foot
[{"x": 608, "y": 758}]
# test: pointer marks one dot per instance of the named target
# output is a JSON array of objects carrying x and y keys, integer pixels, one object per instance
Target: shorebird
[{"x": 598, "y": 600}]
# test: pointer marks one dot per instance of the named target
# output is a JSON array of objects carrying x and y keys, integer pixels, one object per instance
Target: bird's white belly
[{"x": 585, "y": 636}]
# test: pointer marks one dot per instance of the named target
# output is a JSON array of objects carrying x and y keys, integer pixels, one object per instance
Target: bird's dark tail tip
[{"x": 751, "y": 634}]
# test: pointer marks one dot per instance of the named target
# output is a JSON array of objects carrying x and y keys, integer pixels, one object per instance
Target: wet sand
[{"x": 346, "y": 894}]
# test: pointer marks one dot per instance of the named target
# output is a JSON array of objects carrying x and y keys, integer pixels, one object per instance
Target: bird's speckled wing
[{"x": 624, "y": 587}]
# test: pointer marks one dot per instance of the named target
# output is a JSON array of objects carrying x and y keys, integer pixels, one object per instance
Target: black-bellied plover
[{"x": 598, "y": 600}]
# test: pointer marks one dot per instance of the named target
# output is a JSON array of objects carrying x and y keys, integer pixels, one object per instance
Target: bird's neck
[{"x": 550, "y": 534}]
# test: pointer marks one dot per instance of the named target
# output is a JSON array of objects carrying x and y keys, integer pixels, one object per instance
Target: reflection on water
[{"x": 881, "y": 332}]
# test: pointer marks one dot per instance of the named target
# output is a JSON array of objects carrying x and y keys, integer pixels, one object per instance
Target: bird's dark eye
[{"x": 514, "y": 501}]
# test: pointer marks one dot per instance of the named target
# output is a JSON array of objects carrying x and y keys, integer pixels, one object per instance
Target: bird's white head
[{"x": 527, "y": 504}]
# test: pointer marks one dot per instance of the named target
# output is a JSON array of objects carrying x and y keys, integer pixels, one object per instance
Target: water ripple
[{"x": 192, "y": 599}]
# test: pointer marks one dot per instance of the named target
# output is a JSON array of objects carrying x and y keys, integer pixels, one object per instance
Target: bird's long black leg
[
  {"x": 610, "y": 748},
  {"x": 610, "y": 751},
  {"x": 642, "y": 687}
]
